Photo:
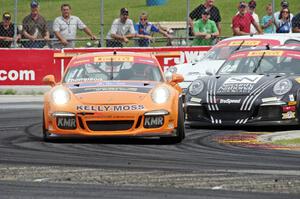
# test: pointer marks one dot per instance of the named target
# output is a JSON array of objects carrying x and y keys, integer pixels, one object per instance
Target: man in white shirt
[
  {"x": 65, "y": 28},
  {"x": 252, "y": 7},
  {"x": 122, "y": 29}
]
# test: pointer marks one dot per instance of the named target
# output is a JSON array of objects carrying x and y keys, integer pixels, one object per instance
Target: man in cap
[
  {"x": 35, "y": 28},
  {"x": 122, "y": 29},
  {"x": 242, "y": 21},
  {"x": 205, "y": 30},
  {"x": 65, "y": 28},
  {"x": 252, "y": 7},
  {"x": 7, "y": 31},
  {"x": 283, "y": 4},
  {"x": 215, "y": 16}
]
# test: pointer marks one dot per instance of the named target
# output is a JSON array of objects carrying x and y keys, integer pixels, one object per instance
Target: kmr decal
[
  {"x": 249, "y": 79},
  {"x": 109, "y": 108},
  {"x": 66, "y": 122},
  {"x": 153, "y": 121}
]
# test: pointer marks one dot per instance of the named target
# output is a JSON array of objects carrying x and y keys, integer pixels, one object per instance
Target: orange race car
[{"x": 114, "y": 95}]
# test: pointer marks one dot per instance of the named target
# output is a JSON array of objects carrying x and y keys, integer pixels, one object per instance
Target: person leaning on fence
[
  {"x": 283, "y": 4},
  {"x": 205, "y": 31},
  {"x": 144, "y": 27},
  {"x": 242, "y": 21},
  {"x": 7, "y": 31},
  {"x": 196, "y": 14},
  {"x": 252, "y": 7},
  {"x": 122, "y": 29},
  {"x": 65, "y": 28},
  {"x": 284, "y": 24},
  {"x": 35, "y": 28},
  {"x": 267, "y": 22},
  {"x": 296, "y": 23}
]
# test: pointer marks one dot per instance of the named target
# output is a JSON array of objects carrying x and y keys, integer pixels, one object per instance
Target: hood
[
  {"x": 111, "y": 92},
  {"x": 241, "y": 84},
  {"x": 193, "y": 71}
]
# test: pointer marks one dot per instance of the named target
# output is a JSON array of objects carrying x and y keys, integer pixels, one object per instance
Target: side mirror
[
  {"x": 209, "y": 73},
  {"x": 177, "y": 78},
  {"x": 49, "y": 80}
]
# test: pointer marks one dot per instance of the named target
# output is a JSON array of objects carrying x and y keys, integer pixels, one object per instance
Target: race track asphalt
[{"x": 199, "y": 167}]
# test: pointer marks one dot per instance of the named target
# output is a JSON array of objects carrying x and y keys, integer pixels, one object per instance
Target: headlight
[
  {"x": 196, "y": 87},
  {"x": 60, "y": 96},
  {"x": 172, "y": 69},
  {"x": 282, "y": 87},
  {"x": 160, "y": 95}
]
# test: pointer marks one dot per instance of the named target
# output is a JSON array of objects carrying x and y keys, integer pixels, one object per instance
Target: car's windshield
[
  {"x": 221, "y": 53},
  {"x": 261, "y": 62},
  {"x": 102, "y": 71}
]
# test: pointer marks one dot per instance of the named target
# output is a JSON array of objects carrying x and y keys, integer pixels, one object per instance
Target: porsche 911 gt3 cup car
[
  {"x": 114, "y": 95},
  {"x": 259, "y": 86},
  {"x": 217, "y": 55}
]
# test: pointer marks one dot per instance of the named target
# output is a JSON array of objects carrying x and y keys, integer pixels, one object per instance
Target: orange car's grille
[{"x": 110, "y": 125}]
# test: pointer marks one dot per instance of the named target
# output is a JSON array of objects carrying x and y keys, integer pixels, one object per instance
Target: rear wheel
[{"x": 180, "y": 131}]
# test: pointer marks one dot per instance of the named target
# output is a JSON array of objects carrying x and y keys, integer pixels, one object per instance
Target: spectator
[
  {"x": 144, "y": 27},
  {"x": 196, "y": 14},
  {"x": 252, "y": 7},
  {"x": 205, "y": 30},
  {"x": 284, "y": 4},
  {"x": 242, "y": 21},
  {"x": 296, "y": 23},
  {"x": 7, "y": 31},
  {"x": 35, "y": 28},
  {"x": 122, "y": 29},
  {"x": 267, "y": 22},
  {"x": 284, "y": 25},
  {"x": 65, "y": 28}
]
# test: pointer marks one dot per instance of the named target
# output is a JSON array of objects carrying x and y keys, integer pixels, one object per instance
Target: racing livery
[
  {"x": 257, "y": 86},
  {"x": 218, "y": 54},
  {"x": 114, "y": 95}
]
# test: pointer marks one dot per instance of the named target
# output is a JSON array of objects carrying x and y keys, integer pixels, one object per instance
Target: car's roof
[{"x": 280, "y": 37}]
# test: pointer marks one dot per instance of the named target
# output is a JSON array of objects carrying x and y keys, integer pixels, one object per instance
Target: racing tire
[
  {"x": 46, "y": 134},
  {"x": 180, "y": 130}
]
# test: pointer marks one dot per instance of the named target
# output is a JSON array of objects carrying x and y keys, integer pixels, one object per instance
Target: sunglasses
[
  {"x": 285, "y": 12},
  {"x": 242, "y": 6},
  {"x": 143, "y": 19}
]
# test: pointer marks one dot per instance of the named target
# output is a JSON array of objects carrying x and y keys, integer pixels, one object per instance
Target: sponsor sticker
[
  {"x": 249, "y": 79},
  {"x": 292, "y": 103},
  {"x": 288, "y": 115},
  {"x": 66, "y": 122},
  {"x": 153, "y": 121},
  {"x": 230, "y": 101},
  {"x": 246, "y": 43},
  {"x": 272, "y": 53},
  {"x": 114, "y": 58},
  {"x": 110, "y": 108},
  {"x": 291, "y": 97},
  {"x": 236, "y": 88},
  {"x": 298, "y": 80}
]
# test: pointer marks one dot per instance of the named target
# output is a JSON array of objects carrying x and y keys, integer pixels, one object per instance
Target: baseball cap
[
  {"x": 284, "y": 3},
  {"x": 34, "y": 4},
  {"x": 6, "y": 16},
  {"x": 252, "y": 4},
  {"x": 206, "y": 12},
  {"x": 124, "y": 11}
]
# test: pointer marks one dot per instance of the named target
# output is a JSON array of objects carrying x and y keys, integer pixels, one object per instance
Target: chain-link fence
[{"x": 142, "y": 23}]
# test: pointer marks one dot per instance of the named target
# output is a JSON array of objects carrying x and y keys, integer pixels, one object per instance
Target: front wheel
[
  {"x": 180, "y": 130},
  {"x": 45, "y": 133}
]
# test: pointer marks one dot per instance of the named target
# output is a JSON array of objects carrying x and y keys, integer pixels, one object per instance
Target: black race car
[{"x": 256, "y": 86}]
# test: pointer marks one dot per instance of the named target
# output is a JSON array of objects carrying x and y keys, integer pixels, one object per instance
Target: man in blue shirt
[{"x": 147, "y": 28}]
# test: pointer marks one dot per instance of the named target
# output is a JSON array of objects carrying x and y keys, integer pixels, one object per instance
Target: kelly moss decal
[
  {"x": 272, "y": 53},
  {"x": 114, "y": 58}
]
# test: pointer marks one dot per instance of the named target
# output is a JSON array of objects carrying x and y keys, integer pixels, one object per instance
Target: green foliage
[
  {"x": 288, "y": 142},
  {"x": 8, "y": 92}
]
